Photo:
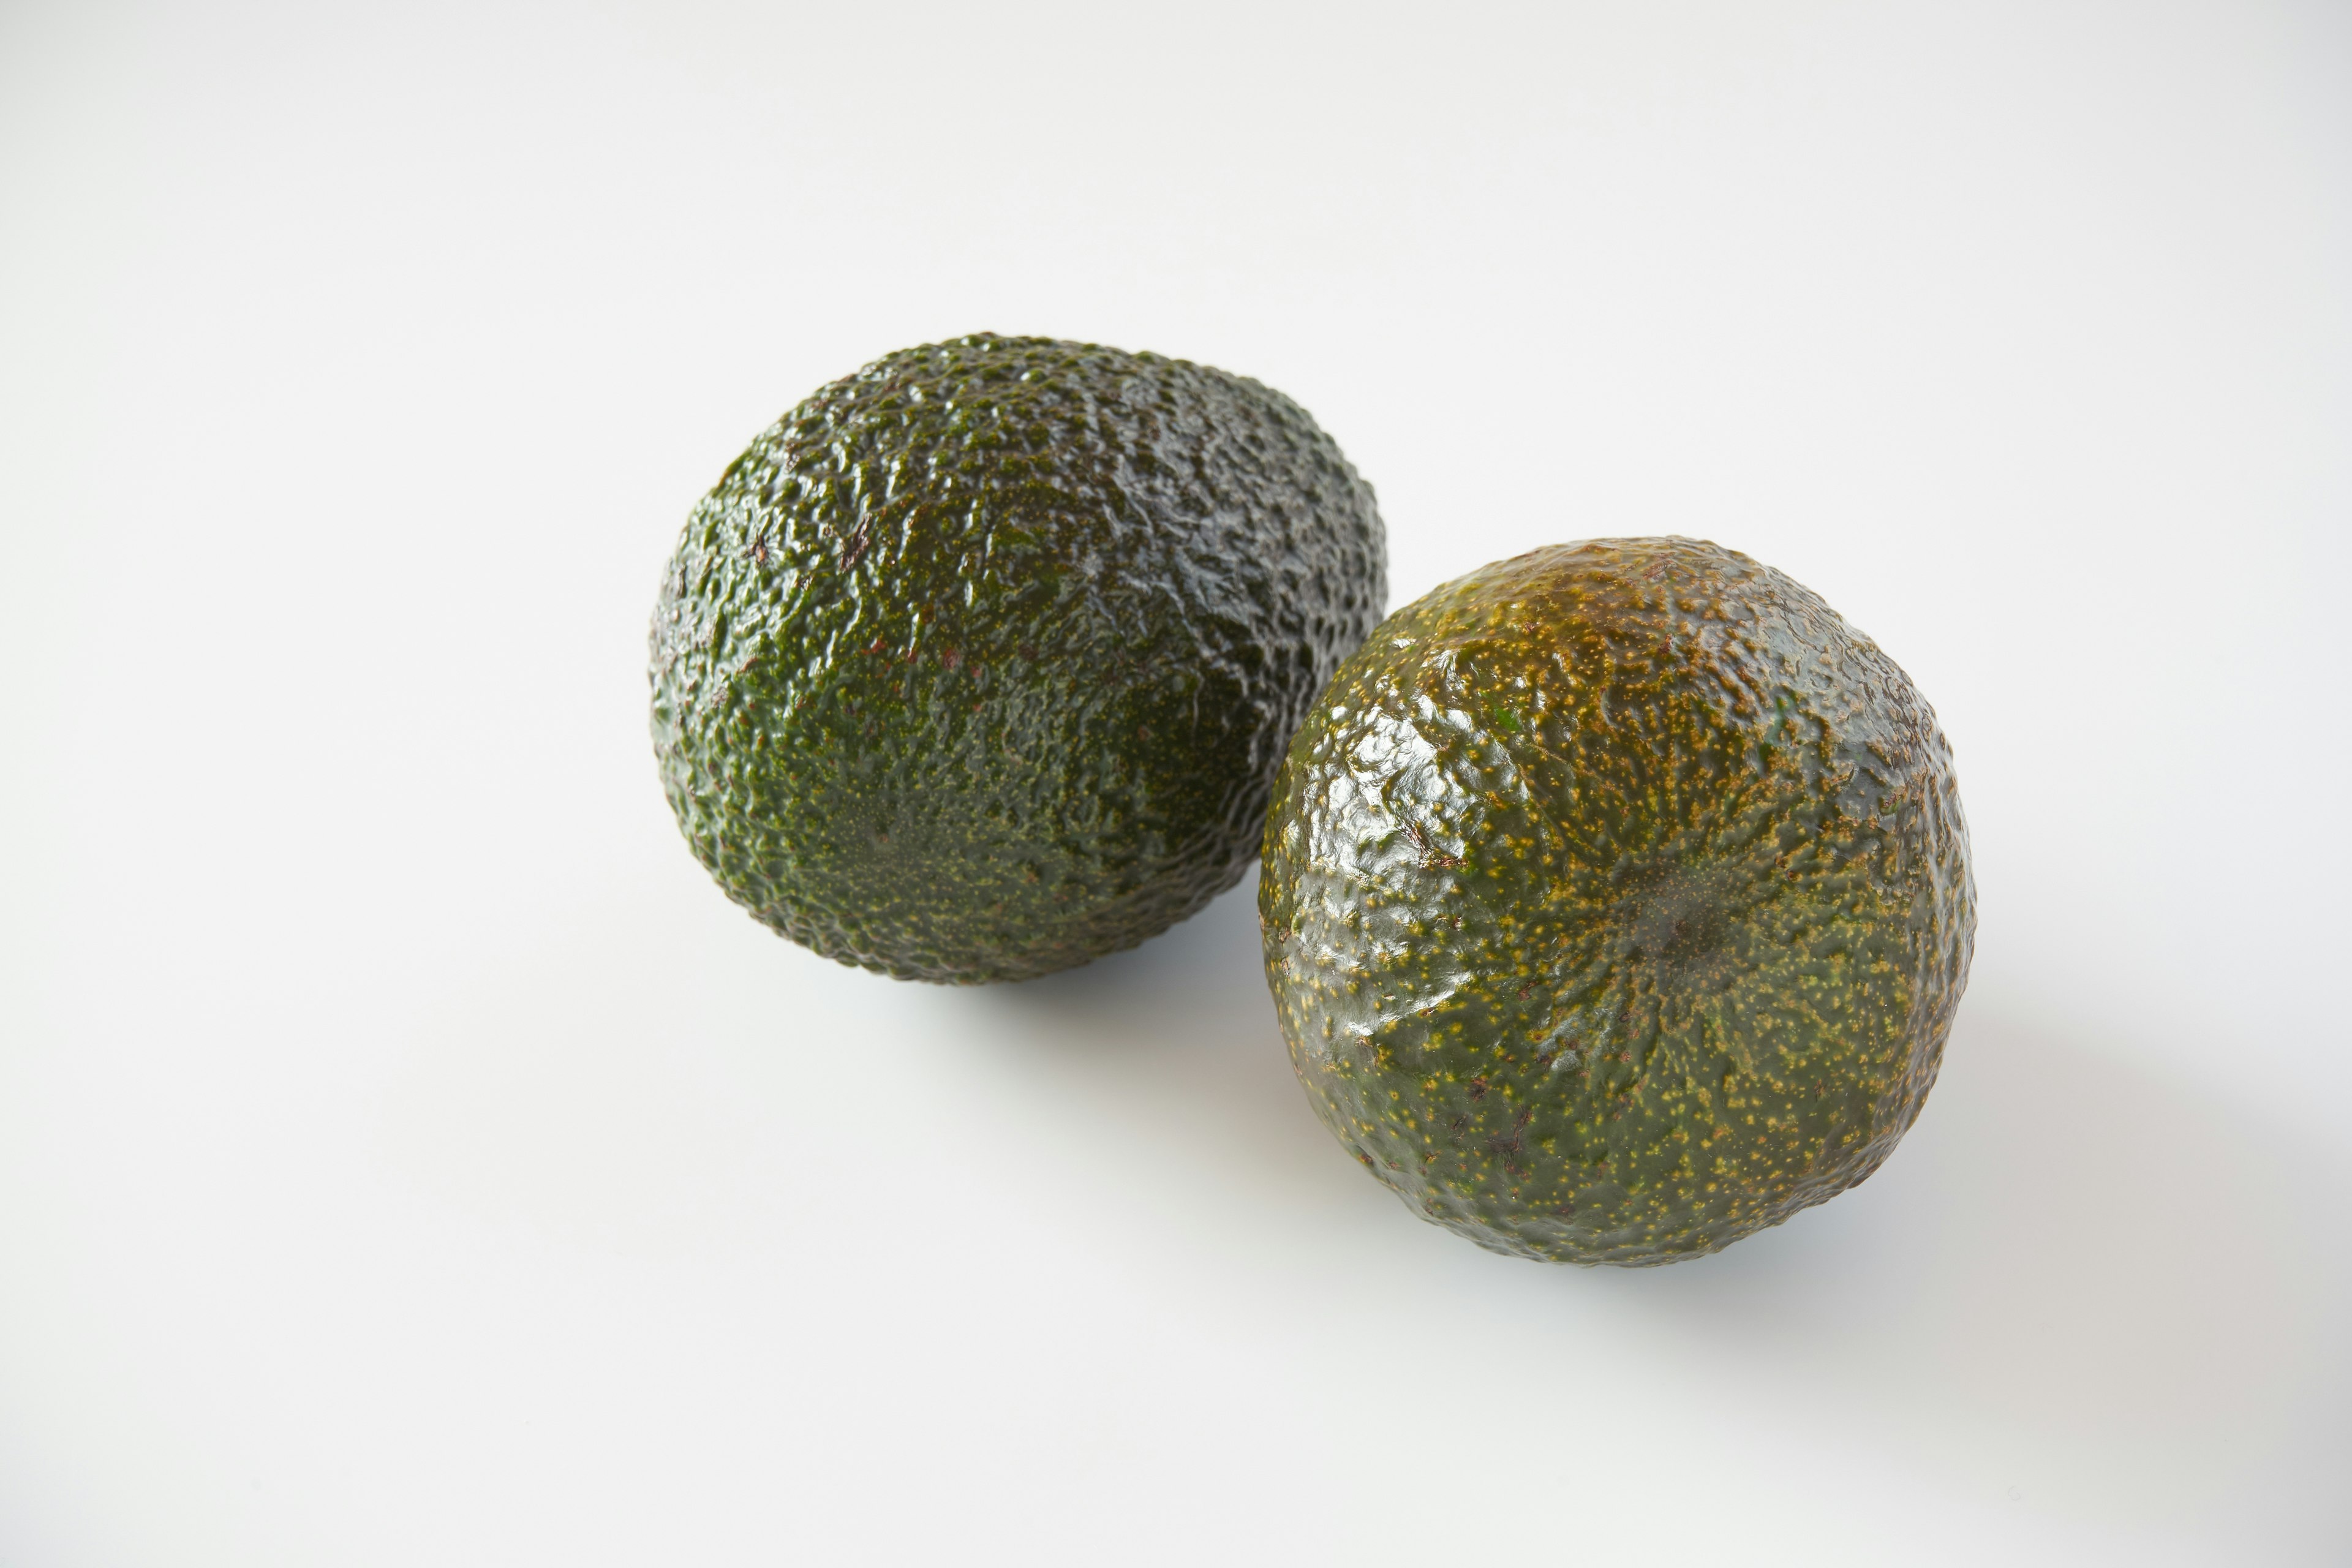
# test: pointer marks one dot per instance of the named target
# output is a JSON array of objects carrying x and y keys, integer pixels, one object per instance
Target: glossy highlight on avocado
[
  {"x": 980, "y": 663},
  {"x": 1616, "y": 902}
]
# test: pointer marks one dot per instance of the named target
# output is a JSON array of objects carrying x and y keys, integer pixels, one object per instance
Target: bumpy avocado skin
[
  {"x": 1616, "y": 902},
  {"x": 980, "y": 663}
]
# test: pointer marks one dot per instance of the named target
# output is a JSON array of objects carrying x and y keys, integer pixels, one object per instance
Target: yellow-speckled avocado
[
  {"x": 1616, "y": 902},
  {"x": 980, "y": 663}
]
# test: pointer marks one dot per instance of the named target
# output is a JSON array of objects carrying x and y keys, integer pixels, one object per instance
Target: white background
[{"x": 407, "y": 1156}]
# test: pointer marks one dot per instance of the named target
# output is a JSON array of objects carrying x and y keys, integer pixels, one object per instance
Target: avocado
[
  {"x": 1616, "y": 902},
  {"x": 980, "y": 663}
]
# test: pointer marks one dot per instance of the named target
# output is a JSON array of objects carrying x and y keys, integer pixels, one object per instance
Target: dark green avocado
[
  {"x": 1616, "y": 902},
  {"x": 980, "y": 663}
]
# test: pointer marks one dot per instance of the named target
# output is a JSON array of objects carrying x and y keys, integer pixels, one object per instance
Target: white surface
[{"x": 406, "y": 1156}]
